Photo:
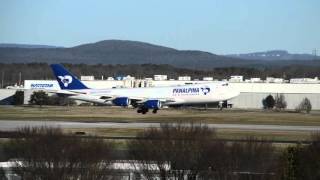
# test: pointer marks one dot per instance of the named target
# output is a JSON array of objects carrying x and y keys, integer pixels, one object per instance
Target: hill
[
  {"x": 128, "y": 52},
  {"x": 274, "y": 55},
  {"x": 32, "y": 46},
  {"x": 115, "y": 52}
]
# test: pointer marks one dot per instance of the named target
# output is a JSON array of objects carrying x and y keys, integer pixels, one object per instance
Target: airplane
[{"x": 144, "y": 99}]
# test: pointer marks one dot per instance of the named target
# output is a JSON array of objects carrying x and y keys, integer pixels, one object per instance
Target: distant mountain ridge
[
  {"x": 274, "y": 55},
  {"x": 123, "y": 45},
  {"x": 130, "y": 52},
  {"x": 116, "y": 52},
  {"x": 31, "y": 46}
]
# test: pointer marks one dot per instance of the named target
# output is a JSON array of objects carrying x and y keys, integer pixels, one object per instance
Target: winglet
[{"x": 66, "y": 79}]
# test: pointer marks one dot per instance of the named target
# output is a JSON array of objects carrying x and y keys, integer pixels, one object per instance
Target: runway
[{"x": 10, "y": 125}]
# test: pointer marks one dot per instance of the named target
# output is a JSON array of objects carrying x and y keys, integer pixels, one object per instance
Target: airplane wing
[
  {"x": 139, "y": 100},
  {"x": 76, "y": 94},
  {"x": 48, "y": 90},
  {"x": 64, "y": 92},
  {"x": 16, "y": 88},
  {"x": 163, "y": 100}
]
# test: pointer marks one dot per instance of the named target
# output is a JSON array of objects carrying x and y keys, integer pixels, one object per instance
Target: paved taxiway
[{"x": 9, "y": 125}]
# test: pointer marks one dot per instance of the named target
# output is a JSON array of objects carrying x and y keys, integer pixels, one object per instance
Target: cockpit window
[{"x": 226, "y": 84}]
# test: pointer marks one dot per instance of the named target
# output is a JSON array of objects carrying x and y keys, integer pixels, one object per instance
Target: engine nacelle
[
  {"x": 152, "y": 104},
  {"x": 121, "y": 101}
]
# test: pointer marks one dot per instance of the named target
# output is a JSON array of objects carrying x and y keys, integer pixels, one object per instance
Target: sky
[{"x": 216, "y": 26}]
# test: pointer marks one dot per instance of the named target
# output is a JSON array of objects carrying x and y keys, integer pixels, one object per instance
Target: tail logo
[
  {"x": 65, "y": 80},
  {"x": 205, "y": 90}
]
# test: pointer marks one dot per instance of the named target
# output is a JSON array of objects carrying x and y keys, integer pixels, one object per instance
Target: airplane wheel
[
  {"x": 139, "y": 111},
  {"x": 144, "y": 112},
  {"x": 154, "y": 111}
]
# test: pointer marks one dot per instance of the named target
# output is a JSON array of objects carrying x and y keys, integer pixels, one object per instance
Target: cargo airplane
[{"x": 144, "y": 99}]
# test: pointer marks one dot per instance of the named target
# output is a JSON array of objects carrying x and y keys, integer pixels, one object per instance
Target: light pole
[
  {"x": 2, "y": 78},
  {"x": 19, "y": 79}
]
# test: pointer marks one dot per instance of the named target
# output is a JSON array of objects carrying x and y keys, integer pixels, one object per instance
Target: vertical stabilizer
[{"x": 66, "y": 79}]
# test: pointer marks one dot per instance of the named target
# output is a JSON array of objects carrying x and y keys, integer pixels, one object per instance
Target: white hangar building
[{"x": 251, "y": 93}]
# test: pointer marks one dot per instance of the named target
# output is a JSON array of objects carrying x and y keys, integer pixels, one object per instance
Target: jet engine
[
  {"x": 121, "y": 101},
  {"x": 152, "y": 104}
]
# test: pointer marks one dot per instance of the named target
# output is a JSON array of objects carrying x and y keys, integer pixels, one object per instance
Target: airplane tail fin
[{"x": 66, "y": 79}]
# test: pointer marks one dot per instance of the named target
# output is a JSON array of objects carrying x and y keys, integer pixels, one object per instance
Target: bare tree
[
  {"x": 173, "y": 151},
  {"x": 280, "y": 102},
  {"x": 305, "y": 105},
  {"x": 47, "y": 153},
  {"x": 253, "y": 156},
  {"x": 189, "y": 151}
]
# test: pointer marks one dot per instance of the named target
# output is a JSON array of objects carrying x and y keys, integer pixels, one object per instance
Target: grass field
[
  {"x": 113, "y": 114},
  {"x": 221, "y": 133}
]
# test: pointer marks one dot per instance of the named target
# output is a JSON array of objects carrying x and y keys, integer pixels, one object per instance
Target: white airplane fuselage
[
  {"x": 142, "y": 98},
  {"x": 186, "y": 94}
]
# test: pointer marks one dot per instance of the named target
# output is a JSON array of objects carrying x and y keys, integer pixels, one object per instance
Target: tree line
[
  {"x": 277, "y": 103},
  {"x": 18, "y": 72},
  {"x": 175, "y": 151}
]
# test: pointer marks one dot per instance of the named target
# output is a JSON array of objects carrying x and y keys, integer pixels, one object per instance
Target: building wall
[
  {"x": 252, "y": 94},
  {"x": 276, "y": 87},
  {"x": 254, "y": 100},
  {"x": 99, "y": 84}
]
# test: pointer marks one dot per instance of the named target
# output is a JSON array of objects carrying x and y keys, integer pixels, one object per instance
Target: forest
[{"x": 16, "y": 73}]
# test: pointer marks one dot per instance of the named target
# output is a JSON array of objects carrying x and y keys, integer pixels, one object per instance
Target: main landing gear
[
  {"x": 144, "y": 110},
  {"x": 154, "y": 111}
]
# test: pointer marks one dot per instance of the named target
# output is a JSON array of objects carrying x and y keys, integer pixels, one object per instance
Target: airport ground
[{"x": 128, "y": 116}]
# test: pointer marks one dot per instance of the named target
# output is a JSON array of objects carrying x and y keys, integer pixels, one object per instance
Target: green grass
[
  {"x": 109, "y": 132},
  {"x": 266, "y": 134},
  {"x": 111, "y": 114},
  {"x": 232, "y": 134}
]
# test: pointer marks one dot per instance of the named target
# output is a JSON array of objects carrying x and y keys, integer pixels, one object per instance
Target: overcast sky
[{"x": 217, "y": 26}]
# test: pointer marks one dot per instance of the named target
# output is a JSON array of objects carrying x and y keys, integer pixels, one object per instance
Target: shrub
[
  {"x": 39, "y": 98},
  {"x": 301, "y": 162},
  {"x": 18, "y": 98},
  {"x": 268, "y": 102}
]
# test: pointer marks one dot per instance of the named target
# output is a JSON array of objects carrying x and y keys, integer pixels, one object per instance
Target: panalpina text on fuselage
[{"x": 185, "y": 91}]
